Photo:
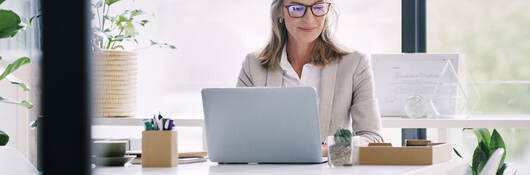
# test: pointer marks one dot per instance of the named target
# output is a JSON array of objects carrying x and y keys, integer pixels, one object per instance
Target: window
[
  {"x": 494, "y": 42},
  {"x": 213, "y": 38}
]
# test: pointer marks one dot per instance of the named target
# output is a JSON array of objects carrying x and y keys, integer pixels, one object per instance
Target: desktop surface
[{"x": 211, "y": 168}]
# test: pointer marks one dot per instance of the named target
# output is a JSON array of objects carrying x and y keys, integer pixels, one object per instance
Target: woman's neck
[{"x": 299, "y": 53}]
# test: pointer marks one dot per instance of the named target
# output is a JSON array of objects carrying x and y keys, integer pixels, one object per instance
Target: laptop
[{"x": 262, "y": 125}]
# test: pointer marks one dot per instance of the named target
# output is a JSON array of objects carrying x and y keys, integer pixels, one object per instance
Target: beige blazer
[{"x": 346, "y": 94}]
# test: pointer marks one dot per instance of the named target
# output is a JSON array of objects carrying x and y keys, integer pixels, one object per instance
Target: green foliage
[
  {"x": 486, "y": 147},
  {"x": 110, "y": 2},
  {"x": 33, "y": 18},
  {"x": 21, "y": 84},
  {"x": 112, "y": 31},
  {"x": 482, "y": 135},
  {"x": 23, "y": 103},
  {"x": 343, "y": 137},
  {"x": 4, "y": 138},
  {"x": 10, "y": 23},
  {"x": 14, "y": 66},
  {"x": 457, "y": 153}
]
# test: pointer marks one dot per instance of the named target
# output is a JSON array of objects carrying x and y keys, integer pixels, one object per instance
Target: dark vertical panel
[
  {"x": 408, "y": 26},
  {"x": 413, "y": 40},
  {"x": 413, "y": 133},
  {"x": 64, "y": 128},
  {"x": 422, "y": 26}
]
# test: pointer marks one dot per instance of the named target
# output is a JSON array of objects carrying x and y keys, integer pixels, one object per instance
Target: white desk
[{"x": 209, "y": 168}]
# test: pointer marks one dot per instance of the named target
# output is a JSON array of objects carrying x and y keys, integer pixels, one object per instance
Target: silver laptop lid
[{"x": 262, "y": 125}]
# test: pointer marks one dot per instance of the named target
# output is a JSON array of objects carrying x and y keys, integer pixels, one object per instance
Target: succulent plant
[{"x": 343, "y": 137}]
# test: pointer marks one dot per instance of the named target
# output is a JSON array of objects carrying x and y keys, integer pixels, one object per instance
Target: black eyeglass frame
[{"x": 308, "y": 7}]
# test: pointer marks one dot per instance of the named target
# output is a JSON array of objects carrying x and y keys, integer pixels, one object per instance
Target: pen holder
[{"x": 159, "y": 149}]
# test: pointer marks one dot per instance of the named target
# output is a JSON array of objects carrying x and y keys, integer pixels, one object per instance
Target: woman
[{"x": 301, "y": 53}]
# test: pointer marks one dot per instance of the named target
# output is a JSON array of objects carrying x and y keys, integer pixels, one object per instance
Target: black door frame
[
  {"x": 413, "y": 40},
  {"x": 64, "y": 128}
]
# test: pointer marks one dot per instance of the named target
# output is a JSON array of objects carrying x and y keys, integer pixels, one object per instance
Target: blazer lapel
[
  {"x": 274, "y": 78},
  {"x": 327, "y": 90}
]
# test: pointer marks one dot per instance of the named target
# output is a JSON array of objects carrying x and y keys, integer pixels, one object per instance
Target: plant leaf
[
  {"x": 32, "y": 18},
  {"x": 110, "y": 2},
  {"x": 10, "y": 24},
  {"x": 136, "y": 13},
  {"x": 480, "y": 156},
  {"x": 129, "y": 29},
  {"x": 4, "y": 138},
  {"x": 496, "y": 143},
  {"x": 143, "y": 22},
  {"x": 482, "y": 134},
  {"x": 21, "y": 84},
  {"x": 34, "y": 123},
  {"x": 153, "y": 42},
  {"x": 501, "y": 169},
  {"x": 2, "y": 1},
  {"x": 14, "y": 66},
  {"x": 21, "y": 103},
  {"x": 457, "y": 153}
]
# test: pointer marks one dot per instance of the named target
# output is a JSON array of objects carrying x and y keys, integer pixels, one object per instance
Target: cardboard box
[
  {"x": 408, "y": 155},
  {"x": 159, "y": 149}
]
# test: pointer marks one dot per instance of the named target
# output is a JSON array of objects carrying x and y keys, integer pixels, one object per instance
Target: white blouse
[{"x": 310, "y": 77}]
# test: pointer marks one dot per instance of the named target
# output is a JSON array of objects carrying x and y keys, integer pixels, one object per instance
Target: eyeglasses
[{"x": 298, "y": 11}]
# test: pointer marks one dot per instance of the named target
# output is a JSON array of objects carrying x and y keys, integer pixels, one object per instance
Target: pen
[
  {"x": 155, "y": 125},
  {"x": 170, "y": 125},
  {"x": 165, "y": 123},
  {"x": 160, "y": 126},
  {"x": 148, "y": 125}
]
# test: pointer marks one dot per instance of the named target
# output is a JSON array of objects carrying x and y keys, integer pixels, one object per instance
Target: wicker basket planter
[{"x": 115, "y": 83}]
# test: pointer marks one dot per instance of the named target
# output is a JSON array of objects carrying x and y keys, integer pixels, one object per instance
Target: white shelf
[{"x": 475, "y": 121}]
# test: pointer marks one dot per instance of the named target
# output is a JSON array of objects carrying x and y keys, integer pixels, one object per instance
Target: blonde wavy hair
[{"x": 324, "y": 51}]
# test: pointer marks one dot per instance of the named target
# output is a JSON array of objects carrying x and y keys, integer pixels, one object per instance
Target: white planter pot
[{"x": 115, "y": 83}]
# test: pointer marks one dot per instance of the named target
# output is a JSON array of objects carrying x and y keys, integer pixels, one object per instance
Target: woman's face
[{"x": 306, "y": 28}]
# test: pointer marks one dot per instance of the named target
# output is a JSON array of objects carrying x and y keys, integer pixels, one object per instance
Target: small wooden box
[
  {"x": 378, "y": 154},
  {"x": 159, "y": 149}
]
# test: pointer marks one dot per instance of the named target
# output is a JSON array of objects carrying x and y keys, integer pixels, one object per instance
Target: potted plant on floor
[{"x": 116, "y": 66}]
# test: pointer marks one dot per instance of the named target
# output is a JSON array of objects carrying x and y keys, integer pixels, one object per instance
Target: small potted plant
[
  {"x": 116, "y": 66},
  {"x": 340, "y": 148}
]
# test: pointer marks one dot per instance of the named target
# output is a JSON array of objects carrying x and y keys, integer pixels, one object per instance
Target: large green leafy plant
[
  {"x": 10, "y": 25},
  {"x": 487, "y": 144},
  {"x": 113, "y": 31}
]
